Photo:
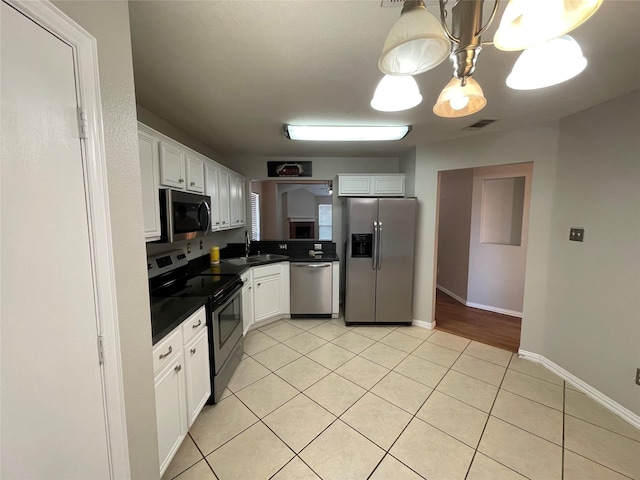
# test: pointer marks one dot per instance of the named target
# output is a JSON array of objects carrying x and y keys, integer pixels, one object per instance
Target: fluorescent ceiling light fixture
[
  {"x": 553, "y": 62},
  {"x": 457, "y": 100},
  {"x": 526, "y": 23},
  {"x": 416, "y": 42},
  {"x": 395, "y": 93},
  {"x": 317, "y": 133}
]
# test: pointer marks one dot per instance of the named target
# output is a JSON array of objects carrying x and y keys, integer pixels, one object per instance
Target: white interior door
[{"x": 53, "y": 422}]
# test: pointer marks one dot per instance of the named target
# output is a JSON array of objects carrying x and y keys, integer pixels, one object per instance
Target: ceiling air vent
[{"x": 480, "y": 124}]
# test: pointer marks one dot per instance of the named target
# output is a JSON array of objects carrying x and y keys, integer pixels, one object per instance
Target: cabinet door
[
  {"x": 170, "y": 410},
  {"x": 388, "y": 185},
  {"x": 211, "y": 189},
  {"x": 172, "y": 170},
  {"x": 150, "y": 177},
  {"x": 223, "y": 197},
  {"x": 267, "y": 297},
  {"x": 195, "y": 174},
  {"x": 236, "y": 200},
  {"x": 198, "y": 380},
  {"x": 247, "y": 308},
  {"x": 354, "y": 185}
]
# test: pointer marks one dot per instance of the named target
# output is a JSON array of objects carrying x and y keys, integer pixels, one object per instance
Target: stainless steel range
[{"x": 171, "y": 287}]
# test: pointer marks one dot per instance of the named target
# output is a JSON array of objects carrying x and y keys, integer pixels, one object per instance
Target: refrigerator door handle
[
  {"x": 379, "y": 246},
  {"x": 374, "y": 256}
]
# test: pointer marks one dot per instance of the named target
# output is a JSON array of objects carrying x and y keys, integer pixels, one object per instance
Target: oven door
[{"x": 226, "y": 326}]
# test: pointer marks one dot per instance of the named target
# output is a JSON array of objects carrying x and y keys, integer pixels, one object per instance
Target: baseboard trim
[
  {"x": 584, "y": 387},
  {"x": 451, "y": 294},
  {"x": 488, "y": 308},
  {"x": 423, "y": 324}
]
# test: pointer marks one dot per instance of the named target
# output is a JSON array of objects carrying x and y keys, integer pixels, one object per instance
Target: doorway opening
[{"x": 483, "y": 222}]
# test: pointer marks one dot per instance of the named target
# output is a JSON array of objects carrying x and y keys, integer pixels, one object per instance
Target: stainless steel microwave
[{"x": 184, "y": 215}]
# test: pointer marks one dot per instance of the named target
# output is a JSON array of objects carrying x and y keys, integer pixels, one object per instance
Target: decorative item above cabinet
[
  {"x": 167, "y": 163},
  {"x": 371, "y": 185}
]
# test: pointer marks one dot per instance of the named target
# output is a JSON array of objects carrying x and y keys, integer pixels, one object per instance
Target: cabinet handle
[
  {"x": 193, "y": 351},
  {"x": 259, "y": 284},
  {"x": 197, "y": 324},
  {"x": 217, "y": 223},
  {"x": 178, "y": 368},
  {"x": 181, "y": 180},
  {"x": 192, "y": 183},
  {"x": 163, "y": 355},
  {"x": 224, "y": 222}
]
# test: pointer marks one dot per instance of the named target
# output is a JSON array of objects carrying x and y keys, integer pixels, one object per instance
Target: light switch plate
[
  {"x": 317, "y": 246},
  {"x": 576, "y": 234}
]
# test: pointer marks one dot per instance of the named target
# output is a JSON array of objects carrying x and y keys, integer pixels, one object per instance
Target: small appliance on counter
[{"x": 169, "y": 278}]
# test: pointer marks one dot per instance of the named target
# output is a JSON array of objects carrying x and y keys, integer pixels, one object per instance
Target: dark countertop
[{"x": 169, "y": 312}]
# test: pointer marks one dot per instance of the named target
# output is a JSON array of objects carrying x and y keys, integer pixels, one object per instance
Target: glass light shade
[
  {"x": 328, "y": 133},
  {"x": 526, "y": 23},
  {"x": 458, "y": 101},
  {"x": 395, "y": 93},
  {"x": 553, "y": 62},
  {"x": 416, "y": 43}
]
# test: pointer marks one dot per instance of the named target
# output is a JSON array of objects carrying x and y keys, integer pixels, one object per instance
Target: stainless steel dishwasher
[{"x": 311, "y": 288}]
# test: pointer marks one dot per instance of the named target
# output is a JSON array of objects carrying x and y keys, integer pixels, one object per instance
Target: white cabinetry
[
  {"x": 172, "y": 165},
  {"x": 271, "y": 291},
  {"x": 374, "y": 185},
  {"x": 195, "y": 174},
  {"x": 223, "y": 199},
  {"x": 166, "y": 163},
  {"x": 247, "y": 301},
  {"x": 212, "y": 189},
  {"x": 150, "y": 176},
  {"x": 182, "y": 382},
  {"x": 236, "y": 200}
]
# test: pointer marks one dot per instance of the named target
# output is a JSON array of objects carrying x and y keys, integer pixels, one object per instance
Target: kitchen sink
[{"x": 265, "y": 257}]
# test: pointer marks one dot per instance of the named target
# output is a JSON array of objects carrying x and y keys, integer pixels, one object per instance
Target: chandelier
[{"x": 419, "y": 42}]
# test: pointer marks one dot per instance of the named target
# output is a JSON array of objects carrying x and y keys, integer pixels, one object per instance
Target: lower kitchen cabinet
[
  {"x": 182, "y": 382},
  {"x": 270, "y": 291}
]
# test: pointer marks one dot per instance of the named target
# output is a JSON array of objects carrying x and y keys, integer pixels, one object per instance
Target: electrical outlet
[
  {"x": 317, "y": 246},
  {"x": 188, "y": 248},
  {"x": 282, "y": 246},
  {"x": 576, "y": 234},
  {"x": 638, "y": 376}
]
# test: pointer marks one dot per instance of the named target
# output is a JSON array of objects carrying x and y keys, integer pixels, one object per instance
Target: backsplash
[
  {"x": 295, "y": 248},
  {"x": 220, "y": 239}
]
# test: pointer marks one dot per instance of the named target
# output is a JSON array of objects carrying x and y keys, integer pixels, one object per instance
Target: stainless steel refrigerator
[{"x": 380, "y": 238}]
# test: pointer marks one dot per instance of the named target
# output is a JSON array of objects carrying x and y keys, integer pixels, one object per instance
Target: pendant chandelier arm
[
  {"x": 443, "y": 21},
  {"x": 491, "y": 17}
]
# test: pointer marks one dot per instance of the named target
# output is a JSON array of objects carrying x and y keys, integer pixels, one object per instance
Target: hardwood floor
[{"x": 495, "y": 329}]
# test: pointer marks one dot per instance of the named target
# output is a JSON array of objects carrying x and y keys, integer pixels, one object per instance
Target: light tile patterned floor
[{"x": 316, "y": 399}]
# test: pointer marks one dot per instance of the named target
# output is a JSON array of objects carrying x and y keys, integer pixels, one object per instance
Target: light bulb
[{"x": 458, "y": 103}]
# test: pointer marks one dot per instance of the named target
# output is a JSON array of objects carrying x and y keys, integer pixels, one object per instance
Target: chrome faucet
[{"x": 247, "y": 244}]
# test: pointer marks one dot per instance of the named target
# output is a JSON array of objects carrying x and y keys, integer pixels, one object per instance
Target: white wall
[
  {"x": 592, "y": 317},
  {"x": 108, "y": 21},
  {"x": 497, "y": 272},
  {"x": 535, "y": 144},
  {"x": 454, "y": 230}
]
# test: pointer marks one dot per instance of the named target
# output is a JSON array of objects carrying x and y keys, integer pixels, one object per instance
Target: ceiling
[{"x": 231, "y": 73}]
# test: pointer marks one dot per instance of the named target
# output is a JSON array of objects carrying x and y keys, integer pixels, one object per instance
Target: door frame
[{"x": 85, "y": 52}]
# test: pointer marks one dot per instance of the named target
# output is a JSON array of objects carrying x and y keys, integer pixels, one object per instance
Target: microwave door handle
[{"x": 205, "y": 229}]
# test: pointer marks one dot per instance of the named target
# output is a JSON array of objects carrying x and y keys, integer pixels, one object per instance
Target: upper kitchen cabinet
[
  {"x": 149, "y": 171},
  {"x": 172, "y": 165},
  {"x": 375, "y": 185},
  {"x": 165, "y": 163},
  {"x": 211, "y": 175},
  {"x": 195, "y": 174},
  {"x": 236, "y": 200}
]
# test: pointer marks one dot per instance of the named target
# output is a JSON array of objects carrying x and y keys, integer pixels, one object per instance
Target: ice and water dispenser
[{"x": 361, "y": 245}]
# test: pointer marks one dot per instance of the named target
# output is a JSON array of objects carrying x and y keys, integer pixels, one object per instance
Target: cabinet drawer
[
  {"x": 194, "y": 325},
  {"x": 266, "y": 270},
  {"x": 165, "y": 351}
]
